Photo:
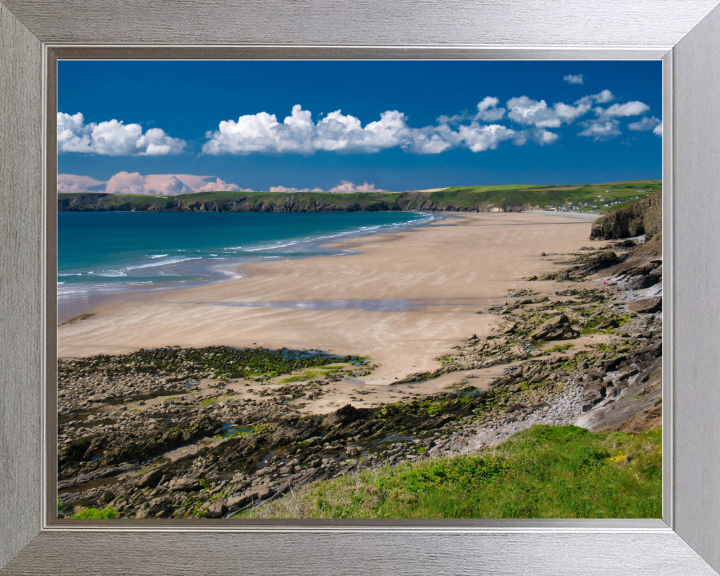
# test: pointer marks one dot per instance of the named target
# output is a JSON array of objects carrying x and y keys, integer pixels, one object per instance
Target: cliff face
[
  {"x": 641, "y": 217},
  {"x": 407, "y": 201}
]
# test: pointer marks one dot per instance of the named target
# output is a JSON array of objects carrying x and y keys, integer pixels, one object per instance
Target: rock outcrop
[
  {"x": 641, "y": 217},
  {"x": 557, "y": 328}
]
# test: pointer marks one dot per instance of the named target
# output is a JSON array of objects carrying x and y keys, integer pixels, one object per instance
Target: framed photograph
[{"x": 364, "y": 292}]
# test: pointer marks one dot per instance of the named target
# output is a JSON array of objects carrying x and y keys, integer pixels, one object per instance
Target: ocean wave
[
  {"x": 274, "y": 247},
  {"x": 158, "y": 255},
  {"x": 175, "y": 260},
  {"x": 63, "y": 275},
  {"x": 111, "y": 273},
  {"x": 424, "y": 219}
]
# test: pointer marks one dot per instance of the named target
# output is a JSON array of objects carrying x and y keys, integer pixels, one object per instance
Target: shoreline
[
  {"x": 404, "y": 299},
  {"x": 88, "y": 296}
]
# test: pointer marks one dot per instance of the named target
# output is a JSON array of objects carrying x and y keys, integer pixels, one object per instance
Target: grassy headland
[{"x": 511, "y": 197}]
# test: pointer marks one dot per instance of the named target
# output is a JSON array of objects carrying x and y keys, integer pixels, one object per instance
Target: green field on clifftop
[{"x": 599, "y": 198}]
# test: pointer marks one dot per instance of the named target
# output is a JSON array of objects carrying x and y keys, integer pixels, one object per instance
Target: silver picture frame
[{"x": 684, "y": 34}]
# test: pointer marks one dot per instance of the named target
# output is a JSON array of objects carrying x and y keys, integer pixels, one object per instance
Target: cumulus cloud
[
  {"x": 299, "y": 134},
  {"x": 135, "y": 183},
  {"x": 220, "y": 186},
  {"x": 603, "y": 97},
  {"x": 165, "y": 184},
  {"x": 76, "y": 183},
  {"x": 285, "y": 189},
  {"x": 601, "y": 129},
  {"x": 538, "y": 113},
  {"x": 113, "y": 138},
  {"x": 646, "y": 123},
  {"x": 478, "y": 137},
  {"x": 478, "y": 132},
  {"x": 634, "y": 108},
  {"x": 524, "y": 110},
  {"x": 488, "y": 110},
  {"x": 573, "y": 78},
  {"x": 347, "y": 187},
  {"x": 658, "y": 130}
]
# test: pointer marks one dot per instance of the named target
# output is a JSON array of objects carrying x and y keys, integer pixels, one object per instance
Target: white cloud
[
  {"x": 634, "y": 108},
  {"x": 527, "y": 111},
  {"x": 603, "y": 97},
  {"x": 166, "y": 184},
  {"x": 285, "y": 189},
  {"x": 573, "y": 78},
  {"x": 76, "y": 183},
  {"x": 568, "y": 113},
  {"x": 524, "y": 110},
  {"x": 488, "y": 110},
  {"x": 658, "y": 130},
  {"x": 601, "y": 129},
  {"x": 479, "y": 138},
  {"x": 347, "y": 187},
  {"x": 135, "y": 183},
  {"x": 544, "y": 137},
  {"x": 646, "y": 123},
  {"x": 337, "y": 132},
  {"x": 455, "y": 119},
  {"x": 113, "y": 138},
  {"x": 220, "y": 186}
]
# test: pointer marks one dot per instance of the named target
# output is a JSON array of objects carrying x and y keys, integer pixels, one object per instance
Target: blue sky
[{"x": 175, "y": 127}]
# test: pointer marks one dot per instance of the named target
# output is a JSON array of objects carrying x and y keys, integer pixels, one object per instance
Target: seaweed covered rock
[
  {"x": 345, "y": 415},
  {"x": 557, "y": 328}
]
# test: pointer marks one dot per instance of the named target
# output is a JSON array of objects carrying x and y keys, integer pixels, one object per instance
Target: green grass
[
  {"x": 543, "y": 472},
  {"x": 592, "y": 331},
  {"x": 208, "y": 401},
  {"x": 455, "y": 198},
  {"x": 94, "y": 513},
  {"x": 560, "y": 348}
]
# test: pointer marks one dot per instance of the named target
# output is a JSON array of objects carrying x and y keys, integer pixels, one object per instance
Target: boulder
[
  {"x": 237, "y": 501},
  {"x": 158, "y": 507},
  {"x": 264, "y": 492},
  {"x": 557, "y": 328},
  {"x": 149, "y": 480},
  {"x": 345, "y": 415},
  {"x": 107, "y": 497},
  {"x": 214, "y": 509},
  {"x": 646, "y": 306},
  {"x": 290, "y": 434},
  {"x": 183, "y": 485},
  {"x": 641, "y": 282}
]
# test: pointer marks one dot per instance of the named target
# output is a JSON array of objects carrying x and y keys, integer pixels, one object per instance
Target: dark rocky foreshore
[{"x": 160, "y": 434}]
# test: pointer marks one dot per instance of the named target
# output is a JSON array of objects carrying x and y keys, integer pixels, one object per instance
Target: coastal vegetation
[
  {"x": 542, "y": 472},
  {"x": 600, "y": 198}
]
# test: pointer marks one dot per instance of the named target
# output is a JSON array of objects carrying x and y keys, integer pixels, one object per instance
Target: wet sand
[{"x": 405, "y": 299}]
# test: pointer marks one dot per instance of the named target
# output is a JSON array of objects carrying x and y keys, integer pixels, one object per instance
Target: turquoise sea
[{"x": 111, "y": 252}]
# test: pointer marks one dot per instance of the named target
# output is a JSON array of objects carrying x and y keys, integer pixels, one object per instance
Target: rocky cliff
[
  {"x": 297, "y": 202},
  {"x": 641, "y": 217}
]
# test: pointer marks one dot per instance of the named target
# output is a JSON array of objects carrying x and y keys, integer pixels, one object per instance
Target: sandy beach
[
  {"x": 140, "y": 432},
  {"x": 403, "y": 300}
]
